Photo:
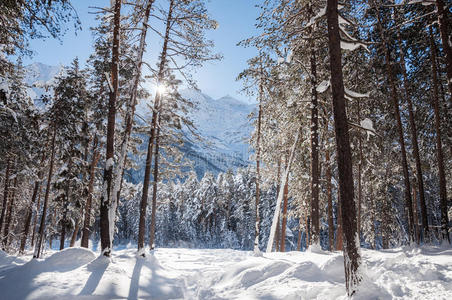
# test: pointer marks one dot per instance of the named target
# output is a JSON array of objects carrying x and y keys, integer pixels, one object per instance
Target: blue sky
[{"x": 236, "y": 19}]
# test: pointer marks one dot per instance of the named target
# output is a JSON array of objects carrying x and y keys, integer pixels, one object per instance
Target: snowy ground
[{"x": 77, "y": 273}]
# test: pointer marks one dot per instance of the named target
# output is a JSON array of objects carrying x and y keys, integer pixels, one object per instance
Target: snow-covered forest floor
[{"x": 78, "y": 273}]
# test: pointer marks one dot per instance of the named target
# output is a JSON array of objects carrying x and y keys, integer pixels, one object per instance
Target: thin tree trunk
[
  {"x": 414, "y": 140},
  {"x": 66, "y": 200},
  {"x": 443, "y": 21},
  {"x": 284, "y": 217},
  {"x": 415, "y": 216},
  {"x": 147, "y": 170},
  {"x": 315, "y": 236},
  {"x": 330, "y": 201},
  {"x": 35, "y": 217},
  {"x": 280, "y": 196},
  {"x": 107, "y": 203},
  {"x": 339, "y": 234},
  {"x": 360, "y": 165},
  {"x": 41, "y": 231},
  {"x": 154, "y": 191},
  {"x": 439, "y": 147},
  {"x": 86, "y": 231},
  {"x": 5, "y": 193},
  {"x": 278, "y": 190},
  {"x": 9, "y": 214},
  {"x": 75, "y": 233},
  {"x": 372, "y": 216},
  {"x": 258, "y": 160},
  {"x": 392, "y": 83},
  {"x": 28, "y": 216},
  {"x": 352, "y": 259}
]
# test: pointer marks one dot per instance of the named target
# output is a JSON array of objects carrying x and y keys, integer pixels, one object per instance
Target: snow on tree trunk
[
  {"x": 258, "y": 161},
  {"x": 352, "y": 258},
  {"x": 107, "y": 203},
  {"x": 315, "y": 230},
  {"x": 284, "y": 179},
  {"x": 154, "y": 190}
]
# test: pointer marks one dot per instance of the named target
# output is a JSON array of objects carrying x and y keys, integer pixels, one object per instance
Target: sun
[{"x": 161, "y": 89}]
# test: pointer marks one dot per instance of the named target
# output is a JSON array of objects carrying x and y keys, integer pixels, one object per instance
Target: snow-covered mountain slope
[
  {"x": 222, "y": 123},
  {"x": 178, "y": 273},
  {"x": 39, "y": 75}
]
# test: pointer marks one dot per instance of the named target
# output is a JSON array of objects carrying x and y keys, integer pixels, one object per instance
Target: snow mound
[{"x": 69, "y": 258}]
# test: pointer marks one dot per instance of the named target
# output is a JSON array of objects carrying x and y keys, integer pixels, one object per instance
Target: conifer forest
[{"x": 120, "y": 178}]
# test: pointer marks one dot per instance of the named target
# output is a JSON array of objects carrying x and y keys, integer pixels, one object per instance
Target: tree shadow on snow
[
  {"x": 153, "y": 286},
  {"x": 97, "y": 268}
]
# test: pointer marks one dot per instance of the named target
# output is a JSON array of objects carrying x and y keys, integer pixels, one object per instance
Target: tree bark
[
  {"x": 86, "y": 231},
  {"x": 9, "y": 215},
  {"x": 391, "y": 79},
  {"x": 35, "y": 218},
  {"x": 329, "y": 195},
  {"x": 74, "y": 234},
  {"x": 154, "y": 190},
  {"x": 5, "y": 193},
  {"x": 107, "y": 205},
  {"x": 66, "y": 199},
  {"x": 414, "y": 140},
  {"x": 315, "y": 230},
  {"x": 258, "y": 159},
  {"x": 352, "y": 259},
  {"x": 443, "y": 21},
  {"x": 339, "y": 233},
  {"x": 41, "y": 231},
  {"x": 284, "y": 217},
  {"x": 439, "y": 147}
]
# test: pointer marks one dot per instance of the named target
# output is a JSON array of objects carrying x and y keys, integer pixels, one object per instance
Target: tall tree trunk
[
  {"x": 147, "y": 170},
  {"x": 372, "y": 216},
  {"x": 439, "y": 147},
  {"x": 360, "y": 166},
  {"x": 278, "y": 190},
  {"x": 414, "y": 140},
  {"x": 74, "y": 233},
  {"x": 443, "y": 21},
  {"x": 86, "y": 231},
  {"x": 415, "y": 217},
  {"x": 258, "y": 159},
  {"x": 329, "y": 196},
  {"x": 391, "y": 79},
  {"x": 119, "y": 171},
  {"x": 9, "y": 215},
  {"x": 5, "y": 193},
  {"x": 339, "y": 233},
  {"x": 107, "y": 203},
  {"x": 352, "y": 259},
  {"x": 154, "y": 190},
  {"x": 41, "y": 231},
  {"x": 35, "y": 218},
  {"x": 66, "y": 199},
  {"x": 28, "y": 216},
  {"x": 315, "y": 236},
  {"x": 285, "y": 178},
  {"x": 284, "y": 217}
]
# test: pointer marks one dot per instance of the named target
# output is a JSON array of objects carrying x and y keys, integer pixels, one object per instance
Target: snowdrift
[{"x": 77, "y": 273}]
